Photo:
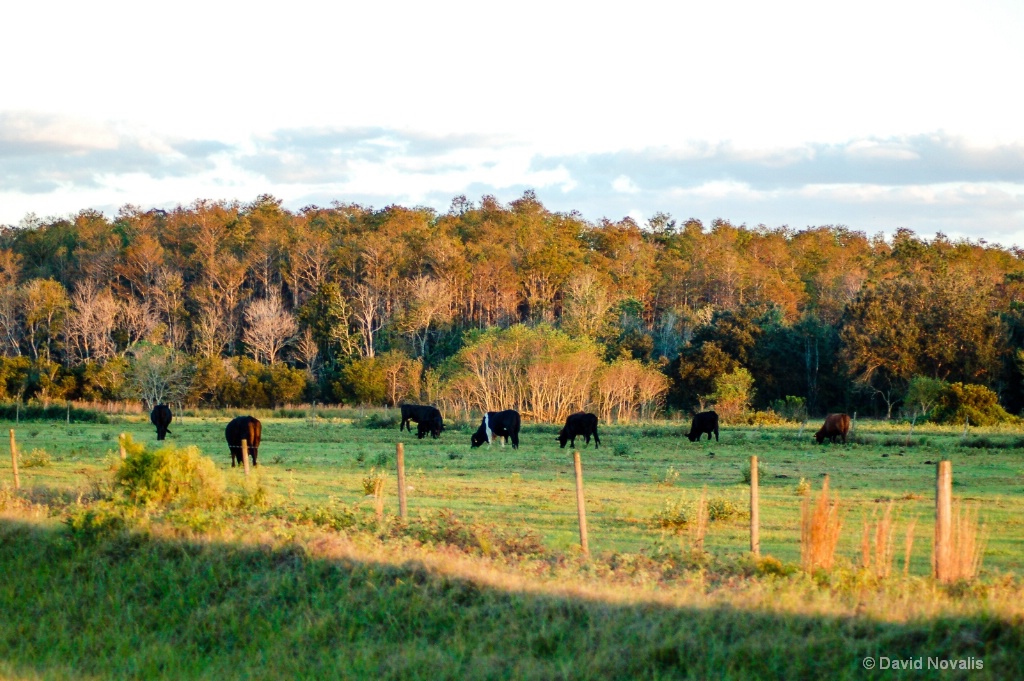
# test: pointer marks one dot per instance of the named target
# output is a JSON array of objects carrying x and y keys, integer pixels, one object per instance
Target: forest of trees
[{"x": 494, "y": 306}]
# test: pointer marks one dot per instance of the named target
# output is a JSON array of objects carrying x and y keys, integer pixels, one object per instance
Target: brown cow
[
  {"x": 836, "y": 425},
  {"x": 246, "y": 428}
]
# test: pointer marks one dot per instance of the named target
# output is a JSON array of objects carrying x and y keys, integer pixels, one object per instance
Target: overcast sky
[{"x": 874, "y": 114}]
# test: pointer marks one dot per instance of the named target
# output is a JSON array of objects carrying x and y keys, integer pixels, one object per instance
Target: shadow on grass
[{"x": 138, "y": 607}]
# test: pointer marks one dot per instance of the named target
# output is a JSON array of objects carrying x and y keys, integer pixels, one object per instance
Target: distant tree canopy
[{"x": 491, "y": 306}]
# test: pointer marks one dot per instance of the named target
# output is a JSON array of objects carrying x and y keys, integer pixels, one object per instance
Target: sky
[{"x": 875, "y": 115}]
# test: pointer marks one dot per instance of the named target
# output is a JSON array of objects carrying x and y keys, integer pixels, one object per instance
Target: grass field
[{"x": 498, "y": 589}]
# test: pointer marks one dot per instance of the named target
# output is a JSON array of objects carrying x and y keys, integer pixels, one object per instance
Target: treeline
[{"x": 488, "y": 305}]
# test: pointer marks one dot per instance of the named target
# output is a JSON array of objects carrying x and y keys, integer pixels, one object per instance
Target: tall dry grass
[
  {"x": 908, "y": 546},
  {"x": 876, "y": 544},
  {"x": 820, "y": 528},
  {"x": 967, "y": 543},
  {"x": 699, "y": 526}
]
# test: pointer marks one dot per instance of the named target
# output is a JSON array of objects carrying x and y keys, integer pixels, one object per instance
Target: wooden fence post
[
  {"x": 245, "y": 455},
  {"x": 943, "y": 520},
  {"x": 580, "y": 503},
  {"x": 403, "y": 510},
  {"x": 14, "y": 461},
  {"x": 120, "y": 446},
  {"x": 755, "y": 520}
]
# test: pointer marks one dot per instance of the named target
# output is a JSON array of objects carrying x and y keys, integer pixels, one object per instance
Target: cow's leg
[
  {"x": 716, "y": 435},
  {"x": 515, "y": 439},
  {"x": 597, "y": 440}
]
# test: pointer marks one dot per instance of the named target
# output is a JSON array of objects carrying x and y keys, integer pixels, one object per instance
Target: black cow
[
  {"x": 422, "y": 414},
  {"x": 434, "y": 426},
  {"x": 704, "y": 422},
  {"x": 243, "y": 428},
  {"x": 501, "y": 423},
  {"x": 161, "y": 418},
  {"x": 580, "y": 423}
]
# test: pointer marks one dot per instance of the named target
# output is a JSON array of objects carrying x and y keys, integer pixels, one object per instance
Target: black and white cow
[
  {"x": 428, "y": 420},
  {"x": 498, "y": 423},
  {"x": 704, "y": 422},
  {"x": 580, "y": 423}
]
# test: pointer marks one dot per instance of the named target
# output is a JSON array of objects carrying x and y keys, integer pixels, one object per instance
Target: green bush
[
  {"x": 37, "y": 458},
  {"x": 169, "y": 476},
  {"x": 960, "y": 402},
  {"x": 380, "y": 421},
  {"x": 745, "y": 472},
  {"x": 674, "y": 516},
  {"x": 721, "y": 509},
  {"x": 90, "y": 525}
]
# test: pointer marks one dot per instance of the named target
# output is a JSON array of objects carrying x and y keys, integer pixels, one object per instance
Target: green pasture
[{"x": 629, "y": 480}]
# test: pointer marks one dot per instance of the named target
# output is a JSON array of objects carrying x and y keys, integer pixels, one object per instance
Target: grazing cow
[
  {"x": 161, "y": 418},
  {"x": 704, "y": 422},
  {"x": 243, "y": 428},
  {"x": 580, "y": 423},
  {"x": 421, "y": 413},
  {"x": 501, "y": 423},
  {"x": 434, "y": 426},
  {"x": 836, "y": 425}
]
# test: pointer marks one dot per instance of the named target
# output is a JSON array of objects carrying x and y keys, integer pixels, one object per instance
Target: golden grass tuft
[
  {"x": 699, "y": 526},
  {"x": 908, "y": 546},
  {"x": 967, "y": 543},
  {"x": 820, "y": 527},
  {"x": 876, "y": 544}
]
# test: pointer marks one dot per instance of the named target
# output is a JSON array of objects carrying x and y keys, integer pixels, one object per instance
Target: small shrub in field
[
  {"x": 373, "y": 481},
  {"x": 820, "y": 526},
  {"x": 622, "y": 449},
  {"x": 334, "y": 515},
  {"x": 380, "y": 422},
  {"x": 721, "y": 509},
  {"x": 771, "y": 566},
  {"x": 89, "y": 525},
  {"x": 745, "y": 472},
  {"x": 669, "y": 479},
  {"x": 107, "y": 437},
  {"x": 182, "y": 477},
  {"x": 454, "y": 456},
  {"x": 765, "y": 418},
  {"x": 37, "y": 458},
  {"x": 803, "y": 488},
  {"x": 253, "y": 496},
  {"x": 674, "y": 516},
  {"x": 382, "y": 459}
]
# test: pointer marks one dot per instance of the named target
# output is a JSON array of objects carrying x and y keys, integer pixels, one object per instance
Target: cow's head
[
  {"x": 478, "y": 438},
  {"x": 820, "y": 436},
  {"x": 562, "y": 438}
]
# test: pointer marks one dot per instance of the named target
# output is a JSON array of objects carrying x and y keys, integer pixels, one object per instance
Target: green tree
[{"x": 733, "y": 394}]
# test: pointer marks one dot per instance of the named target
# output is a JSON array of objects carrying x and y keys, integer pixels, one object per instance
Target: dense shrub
[
  {"x": 169, "y": 476},
  {"x": 960, "y": 402}
]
